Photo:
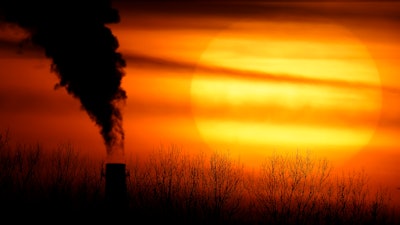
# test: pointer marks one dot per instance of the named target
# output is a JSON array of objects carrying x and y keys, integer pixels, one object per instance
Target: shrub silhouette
[
  {"x": 34, "y": 180},
  {"x": 174, "y": 186},
  {"x": 299, "y": 189}
]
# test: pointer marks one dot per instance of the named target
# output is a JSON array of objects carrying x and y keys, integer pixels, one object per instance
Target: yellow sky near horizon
[
  {"x": 252, "y": 85},
  {"x": 194, "y": 60}
]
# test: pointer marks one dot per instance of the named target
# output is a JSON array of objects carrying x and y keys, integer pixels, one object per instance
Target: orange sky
[{"x": 251, "y": 77}]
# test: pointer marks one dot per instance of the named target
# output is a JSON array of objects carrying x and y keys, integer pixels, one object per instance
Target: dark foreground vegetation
[{"x": 171, "y": 187}]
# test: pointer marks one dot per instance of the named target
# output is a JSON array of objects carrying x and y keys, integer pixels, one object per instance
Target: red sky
[{"x": 251, "y": 77}]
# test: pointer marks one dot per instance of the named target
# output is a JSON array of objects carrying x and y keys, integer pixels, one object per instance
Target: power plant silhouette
[
  {"x": 83, "y": 50},
  {"x": 116, "y": 198}
]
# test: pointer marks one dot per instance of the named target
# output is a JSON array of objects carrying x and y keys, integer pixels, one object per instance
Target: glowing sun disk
[{"x": 341, "y": 58}]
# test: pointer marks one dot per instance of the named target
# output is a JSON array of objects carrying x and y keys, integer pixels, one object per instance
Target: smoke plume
[{"x": 84, "y": 55}]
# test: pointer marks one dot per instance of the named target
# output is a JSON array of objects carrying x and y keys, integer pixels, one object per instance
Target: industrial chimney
[{"x": 115, "y": 187}]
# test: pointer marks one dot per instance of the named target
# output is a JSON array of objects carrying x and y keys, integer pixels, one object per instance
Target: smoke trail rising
[{"x": 84, "y": 55}]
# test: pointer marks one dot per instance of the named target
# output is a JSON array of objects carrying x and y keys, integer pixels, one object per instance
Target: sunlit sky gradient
[{"x": 252, "y": 77}]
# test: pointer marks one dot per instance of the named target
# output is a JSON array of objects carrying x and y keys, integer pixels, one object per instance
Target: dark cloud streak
[
  {"x": 138, "y": 61},
  {"x": 365, "y": 11}
]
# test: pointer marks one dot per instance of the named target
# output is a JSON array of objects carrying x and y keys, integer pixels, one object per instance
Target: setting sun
[{"x": 296, "y": 101}]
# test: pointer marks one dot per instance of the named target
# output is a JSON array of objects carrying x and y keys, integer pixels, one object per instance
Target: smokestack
[
  {"x": 115, "y": 187},
  {"x": 83, "y": 50}
]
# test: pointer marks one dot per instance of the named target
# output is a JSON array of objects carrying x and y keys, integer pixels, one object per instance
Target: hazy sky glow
[{"x": 251, "y": 77}]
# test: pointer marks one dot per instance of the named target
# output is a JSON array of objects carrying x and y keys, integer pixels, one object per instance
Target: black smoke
[{"x": 83, "y": 50}]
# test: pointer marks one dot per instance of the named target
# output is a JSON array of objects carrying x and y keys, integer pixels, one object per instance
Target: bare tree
[
  {"x": 223, "y": 183},
  {"x": 300, "y": 189}
]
